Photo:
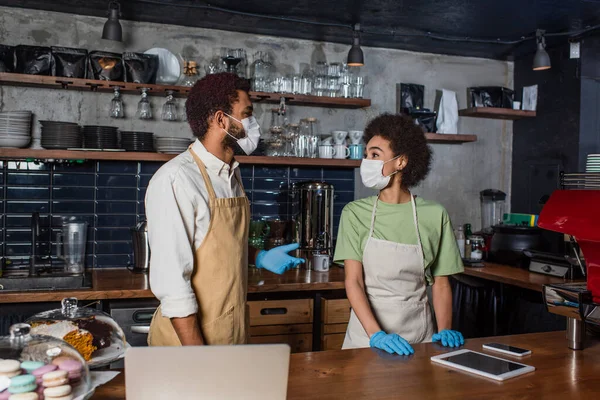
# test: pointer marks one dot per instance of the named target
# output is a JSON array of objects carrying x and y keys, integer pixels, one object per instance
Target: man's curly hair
[
  {"x": 210, "y": 94},
  {"x": 406, "y": 139}
]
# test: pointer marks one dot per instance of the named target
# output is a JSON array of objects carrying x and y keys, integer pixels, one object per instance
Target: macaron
[
  {"x": 10, "y": 368},
  {"x": 55, "y": 378},
  {"x": 39, "y": 372},
  {"x": 4, "y": 395},
  {"x": 24, "y": 396},
  {"x": 59, "y": 393},
  {"x": 73, "y": 367},
  {"x": 29, "y": 366},
  {"x": 4, "y": 383},
  {"x": 22, "y": 384}
]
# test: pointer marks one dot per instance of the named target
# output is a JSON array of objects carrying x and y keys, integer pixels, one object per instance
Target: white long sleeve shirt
[{"x": 178, "y": 220}]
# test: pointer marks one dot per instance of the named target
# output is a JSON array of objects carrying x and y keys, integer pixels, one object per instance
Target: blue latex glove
[
  {"x": 277, "y": 260},
  {"x": 391, "y": 342},
  {"x": 449, "y": 338}
]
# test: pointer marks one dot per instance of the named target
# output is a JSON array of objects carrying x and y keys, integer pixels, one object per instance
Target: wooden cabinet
[
  {"x": 282, "y": 321},
  {"x": 335, "y": 316}
]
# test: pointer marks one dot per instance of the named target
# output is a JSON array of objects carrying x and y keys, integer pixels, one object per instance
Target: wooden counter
[
  {"x": 513, "y": 276},
  {"x": 123, "y": 284},
  {"x": 373, "y": 374}
]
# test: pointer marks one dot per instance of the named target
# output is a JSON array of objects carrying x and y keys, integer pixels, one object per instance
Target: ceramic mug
[
  {"x": 326, "y": 151},
  {"x": 355, "y": 136},
  {"x": 341, "y": 151},
  {"x": 356, "y": 151},
  {"x": 321, "y": 262}
]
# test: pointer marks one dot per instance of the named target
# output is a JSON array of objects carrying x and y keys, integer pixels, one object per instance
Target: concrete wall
[{"x": 459, "y": 171}]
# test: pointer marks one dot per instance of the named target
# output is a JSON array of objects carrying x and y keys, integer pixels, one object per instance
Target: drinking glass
[
  {"x": 358, "y": 87},
  {"x": 306, "y": 84},
  {"x": 144, "y": 110},
  {"x": 116, "y": 105},
  {"x": 169, "y": 110},
  {"x": 296, "y": 84}
]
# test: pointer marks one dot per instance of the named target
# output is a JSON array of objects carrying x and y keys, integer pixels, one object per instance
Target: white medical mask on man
[
  {"x": 371, "y": 173},
  {"x": 248, "y": 143}
]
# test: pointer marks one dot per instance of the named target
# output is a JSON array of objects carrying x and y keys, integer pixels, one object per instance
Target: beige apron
[
  {"x": 396, "y": 288},
  {"x": 220, "y": 277}
]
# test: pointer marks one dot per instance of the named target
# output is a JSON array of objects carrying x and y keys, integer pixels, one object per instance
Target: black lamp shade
[
  {"x": 541, "y": 60},
  {"x": 355, "y": 55},
  {"x": 112, "y": 28}
]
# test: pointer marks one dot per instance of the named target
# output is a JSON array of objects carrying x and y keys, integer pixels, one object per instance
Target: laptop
[{"x": 207, "y": 372}]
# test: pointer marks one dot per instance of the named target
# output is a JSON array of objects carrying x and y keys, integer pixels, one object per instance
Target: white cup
[
  {"x": 326, "y": 151},
  {"x": 341, "y": 151},
  {"x": 516, "y": 105},
  {"x": 321, "y": 262}
]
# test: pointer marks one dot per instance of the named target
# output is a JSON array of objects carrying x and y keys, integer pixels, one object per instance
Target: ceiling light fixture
[
  {"x": 112, "y": 28},
  {"x": 355, "y": 55},
  {"x": 541, "y": 60}
]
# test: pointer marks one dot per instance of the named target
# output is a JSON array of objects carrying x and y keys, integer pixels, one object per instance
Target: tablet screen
[{"x": 484, "y": 363}]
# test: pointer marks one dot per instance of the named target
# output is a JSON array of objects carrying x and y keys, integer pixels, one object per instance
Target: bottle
[
  {"x": 468, "y": 231},
  {"x": 460, "y": 241},
  {"x": 467, "y": 249}
]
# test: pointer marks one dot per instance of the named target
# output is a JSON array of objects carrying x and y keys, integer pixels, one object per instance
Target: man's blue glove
[
  {"x": 277, "y": 260},
  {"x": 391, "y": 342},
  {"x": 449, "y": 338}
]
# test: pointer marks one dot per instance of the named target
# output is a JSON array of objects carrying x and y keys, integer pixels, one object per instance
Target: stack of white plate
[
  {"x": 15, "y": 128},
  {"x": 593, "y": 163},
  {"x": 171, "y": 145}
]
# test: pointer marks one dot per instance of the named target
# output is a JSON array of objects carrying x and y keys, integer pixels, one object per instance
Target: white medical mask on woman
[
  {"x": 371, "y": 173},
  {"x": 248, "y": 143}
]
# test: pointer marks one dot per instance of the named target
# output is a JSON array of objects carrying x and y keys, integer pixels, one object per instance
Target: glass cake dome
[
  {"x": 93, "y": 333},
  {"x": 35, "y": 363}
]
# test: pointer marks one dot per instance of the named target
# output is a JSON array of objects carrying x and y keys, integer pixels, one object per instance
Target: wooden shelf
[
  {"x": 25, "y": 154},
  {"x": 449, "y": 138},
  {"x": 496, "y": 113},
  {"x": 55, "y": 82}
]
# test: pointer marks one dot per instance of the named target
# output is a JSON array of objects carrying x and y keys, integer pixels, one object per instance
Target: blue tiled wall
[{"x": 110, "y": 197}]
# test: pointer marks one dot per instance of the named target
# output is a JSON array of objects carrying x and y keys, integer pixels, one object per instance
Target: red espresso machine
[{"x": 576, "y": 213}]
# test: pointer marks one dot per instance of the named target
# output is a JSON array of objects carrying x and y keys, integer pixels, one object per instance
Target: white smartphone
[{"x": 506, "y": 349}]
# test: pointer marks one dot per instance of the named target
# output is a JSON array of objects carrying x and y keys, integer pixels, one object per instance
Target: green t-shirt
[{"x": 394, "y": 222}]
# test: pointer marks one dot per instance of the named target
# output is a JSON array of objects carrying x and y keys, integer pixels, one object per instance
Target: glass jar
[
  {"x": 190, "y": 74},
  {"x": 477, "y": 245},
  {"x": 94, "y": 334},
  {"x": 37, "y": 356}
]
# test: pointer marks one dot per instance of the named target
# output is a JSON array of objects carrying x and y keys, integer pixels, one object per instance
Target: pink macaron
[
  {"x": 73, "y": 367},
  {"x": 4, "y": 395},
  {"x": 39, "y": 372}
]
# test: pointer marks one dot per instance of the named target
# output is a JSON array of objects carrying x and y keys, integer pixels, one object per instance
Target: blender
[
  {"x": 492, "y": 209},
  {"x": 70, "y": 246}
]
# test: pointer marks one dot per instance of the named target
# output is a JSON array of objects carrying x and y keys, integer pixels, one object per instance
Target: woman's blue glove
[
  {"x": 449, "y": 338},
  {"x": 277, "y": 259},
  {"x": 391, "y": 342}
]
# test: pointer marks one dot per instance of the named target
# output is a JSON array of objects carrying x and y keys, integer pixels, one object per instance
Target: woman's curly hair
[
  {"x": 406, "y": 139},
  {"x": 210, "y": 94}
]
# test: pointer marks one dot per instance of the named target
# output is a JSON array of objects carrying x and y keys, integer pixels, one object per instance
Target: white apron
[{"x": 396, "y": 288}]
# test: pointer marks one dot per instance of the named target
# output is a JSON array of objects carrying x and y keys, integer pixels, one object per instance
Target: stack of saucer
[
  {"x": 100, "y": 137},
  {"x": 137, "y": 141},
  {"x": 171, "y": 145},
  {"x": 60, "y": 135}
]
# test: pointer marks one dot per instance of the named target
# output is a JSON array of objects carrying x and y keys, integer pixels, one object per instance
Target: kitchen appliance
[
  {"x": 70, "y": 246},
  {"x": 560, "y": 265},
  {"x": 492, "y": 208},
  {"x": 576, "y": 213},
  {"x": 509, "y": 242},
  {"x": 141, "y": 248},
  {"x": 314, "y": 219},
  {"x": 134, "y": 317}
]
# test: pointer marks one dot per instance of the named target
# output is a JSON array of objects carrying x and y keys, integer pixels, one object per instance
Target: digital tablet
[{"x": 482, "y": 364}]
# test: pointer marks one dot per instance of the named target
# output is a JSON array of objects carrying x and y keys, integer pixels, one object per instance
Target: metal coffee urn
[{"x": 313, "y": 219}]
